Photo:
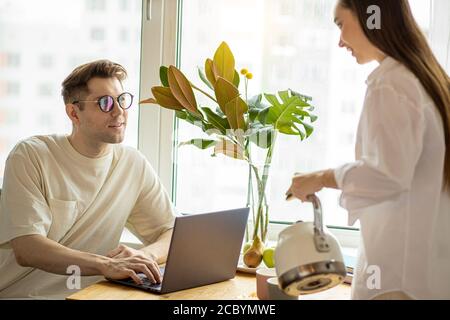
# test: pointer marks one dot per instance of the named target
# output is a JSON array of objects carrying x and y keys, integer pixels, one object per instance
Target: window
[
  {"x": 41, "y": 42},
  {"x": 96, "y": 5},
  {"x": 13, "y": 60},
  {"x": 98, "y": 34},
  {"x": 124, "y": 5},
  {"x": 124, "y": 35},
  {"x": 46, "y": 61},
  {"x": 12, "y": 88},
  {"x": 267, "y": 38},
  {"x": 45, "y": 89}
]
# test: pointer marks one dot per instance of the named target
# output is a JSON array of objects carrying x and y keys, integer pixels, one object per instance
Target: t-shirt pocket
[{"x": 64, "y": 214}]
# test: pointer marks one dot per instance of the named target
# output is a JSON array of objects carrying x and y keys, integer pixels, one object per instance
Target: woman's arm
[{"x": 304, "y": 185}]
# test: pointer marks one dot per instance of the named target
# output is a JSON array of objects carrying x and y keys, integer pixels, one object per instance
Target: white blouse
[{"x": 395, "y": 190}]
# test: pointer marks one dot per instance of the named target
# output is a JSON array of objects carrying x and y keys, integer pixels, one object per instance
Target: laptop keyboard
[{"x": 146, "y": 283}]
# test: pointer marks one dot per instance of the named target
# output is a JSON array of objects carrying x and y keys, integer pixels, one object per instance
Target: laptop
[{"x": 204, "y": 249}]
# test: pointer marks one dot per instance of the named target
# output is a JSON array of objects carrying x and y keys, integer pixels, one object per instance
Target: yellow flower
[
  {"x": 249, "y": 75},
  {"x": 244, "y": 71}
]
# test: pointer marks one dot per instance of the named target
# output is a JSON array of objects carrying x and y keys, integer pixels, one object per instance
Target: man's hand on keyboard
[{"x": 126, "y": 262}]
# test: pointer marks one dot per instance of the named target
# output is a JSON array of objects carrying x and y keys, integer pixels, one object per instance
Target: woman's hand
[
  {"x": 304, "y": 185},
  {"x": 124, "y": 262}
]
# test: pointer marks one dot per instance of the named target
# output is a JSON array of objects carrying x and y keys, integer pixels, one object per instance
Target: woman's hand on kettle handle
[{"x": 304, "y": 185}]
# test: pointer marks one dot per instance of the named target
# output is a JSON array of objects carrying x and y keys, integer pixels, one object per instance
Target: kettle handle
[
  {"x": 320, "y": 239},
  {"x": 318, "y": 224}
]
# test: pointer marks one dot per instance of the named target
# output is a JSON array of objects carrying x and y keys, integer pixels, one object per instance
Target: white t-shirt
[
  {"x": 82, "y": 203},
  {"x": 395, "y": 189}
]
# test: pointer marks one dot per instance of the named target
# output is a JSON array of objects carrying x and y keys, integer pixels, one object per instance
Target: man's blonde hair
[{"x": 75, "y": 85}]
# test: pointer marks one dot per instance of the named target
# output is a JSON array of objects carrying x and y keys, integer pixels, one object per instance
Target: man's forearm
[
  {"x": 160, "y": 248},
  {"x": 40, "y": 252}
]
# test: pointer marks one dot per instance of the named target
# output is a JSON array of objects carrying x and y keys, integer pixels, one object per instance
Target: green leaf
[
  {"x": 203, "y": 78},
  {"x": 255, "y": 106},
  {"x": 301, "y": 96},
  {"x": 216, "y": 120},
  {"x": 288, "y": 116},
  {"x": 262, "y": 136},
  {"x": 289, "y": 131},
  {"x": 273, "y": 100},
  {"x": 199, "y": 143},
  {"x": 255, "y": 101},
  {"x": 253, "y": 114},
  {"x": 220, "y": 112},
  {"x": 224, "y": 62},
  {"x": 262, "y": 115},
  {"x": 308, "y": 129},
  {"x": 163, "y": 76},
  {"x": 236, "y": 79},
  {"x": 196, "y": 120},
  {"x": 284, "y": 95}
]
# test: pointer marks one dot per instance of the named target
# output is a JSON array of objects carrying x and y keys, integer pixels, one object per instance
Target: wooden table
[{"x": 241, "y": 287}]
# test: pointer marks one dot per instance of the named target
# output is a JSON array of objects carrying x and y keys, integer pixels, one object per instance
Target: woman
[{"x": 399, "y": 186}]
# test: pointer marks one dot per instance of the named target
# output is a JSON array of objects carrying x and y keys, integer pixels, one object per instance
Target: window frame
[
  {"x": 440, "y": 20},
  {"x": 159, "y": 43},
  {"x": 161, "y": 19}
]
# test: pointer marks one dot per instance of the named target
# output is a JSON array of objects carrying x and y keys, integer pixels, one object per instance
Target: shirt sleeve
[
  {"x": 153, "y": 213},
  {"x": 391, "y": 134},
  {"x": 23, "y": 208}
]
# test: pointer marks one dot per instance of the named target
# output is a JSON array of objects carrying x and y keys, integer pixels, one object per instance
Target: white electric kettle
[{"x": 308, "y": 258}]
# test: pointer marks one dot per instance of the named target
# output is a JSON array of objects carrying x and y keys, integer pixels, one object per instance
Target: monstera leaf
[{"x": 288, "y": 116}]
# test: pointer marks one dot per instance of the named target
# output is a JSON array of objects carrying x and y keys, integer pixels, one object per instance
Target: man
[{"x": 67, "y": 199}]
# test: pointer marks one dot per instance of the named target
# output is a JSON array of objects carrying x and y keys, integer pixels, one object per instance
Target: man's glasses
[{"x": 106, "y": 103}]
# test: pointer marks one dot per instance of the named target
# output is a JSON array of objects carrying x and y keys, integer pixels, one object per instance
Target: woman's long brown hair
[{"x": 401, "y": 38}]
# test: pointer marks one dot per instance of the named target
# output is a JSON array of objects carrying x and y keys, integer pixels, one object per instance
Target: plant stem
[
  {"x": 265, "y": 178},
  {"x": 246, "y": 82},
  {"x": 263, "y": 217},
  {"x": 206, "y": 94},
  {"x": 250, "y": 200},
  {"x": 256, "y": 221}
]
